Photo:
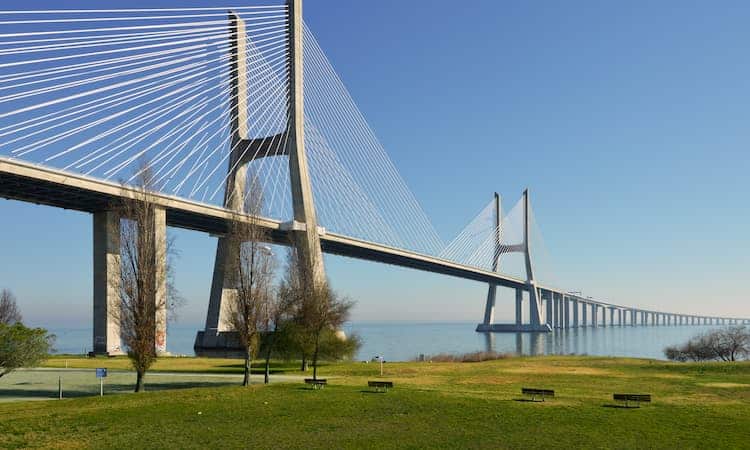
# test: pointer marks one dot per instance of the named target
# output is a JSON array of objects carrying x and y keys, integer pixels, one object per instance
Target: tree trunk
[
  {"x": 139, "y": 387},
  {"x": 315, "y": 361},
  {"x": 304, "y": 364},
  {"x": 248, "y": 362},
  {"x": 268, "y": 365}
]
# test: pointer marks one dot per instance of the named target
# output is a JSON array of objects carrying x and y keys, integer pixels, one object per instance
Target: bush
[
  {"x": 465, "y": 357},
  {"x": 22, "y": 347},
  {"x": 728, "y": 344}
]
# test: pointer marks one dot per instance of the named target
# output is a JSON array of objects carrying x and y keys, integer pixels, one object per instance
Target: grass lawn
[{"x": 439, "y": 405}]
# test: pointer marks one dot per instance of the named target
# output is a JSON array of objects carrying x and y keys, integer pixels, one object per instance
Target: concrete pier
[
  {"x": 519, "y": 307},
  {"x": 584, "y": 314},
  {"x": 594, "y": 315},
  {"x": 158, "y": 239},
  {"x": 106, "y": 283},
  {"x": 549, "y": 319}
]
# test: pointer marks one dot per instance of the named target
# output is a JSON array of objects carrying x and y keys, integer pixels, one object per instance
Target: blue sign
[{"x": 101, "y": 373}]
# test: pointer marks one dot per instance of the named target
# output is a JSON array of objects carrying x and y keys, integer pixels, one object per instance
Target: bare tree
[
  {"x": 144, "y": 285},
  {"x": 251, "y": 269},
  {"x": 728, "y": 344},
  {"x": 274, "y": 326},
  {"x": 731, "y": 343},
  {"x": 9, "y": 313},
  {"x": 317, "y": 309}
]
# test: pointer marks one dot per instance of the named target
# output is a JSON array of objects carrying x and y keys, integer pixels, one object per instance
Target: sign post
[
  {"x": 101, "y": 373},
  {"x": 380, "y": 359}
]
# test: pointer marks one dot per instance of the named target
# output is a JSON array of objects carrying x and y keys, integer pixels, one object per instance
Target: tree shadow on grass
[
  {"x": 20, "y": 394},
  {"x": 612, "y": 405},
  {"x": 109, "y": 388},
  {"x": 170, "y": 385},
  {"x": 239, "y": 369}
]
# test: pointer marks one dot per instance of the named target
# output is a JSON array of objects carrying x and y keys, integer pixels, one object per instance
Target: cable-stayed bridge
[{"x": 213, "y": 101}]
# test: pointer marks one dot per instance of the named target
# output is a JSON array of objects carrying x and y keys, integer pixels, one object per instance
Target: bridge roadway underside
[{"x": 34, "y": 184}]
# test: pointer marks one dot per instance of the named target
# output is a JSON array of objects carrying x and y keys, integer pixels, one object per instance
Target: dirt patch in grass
[
  {"x": 726, "y": 385},
  {"x": 561, "y": 370},
  {"x": 669, "y": 376}
]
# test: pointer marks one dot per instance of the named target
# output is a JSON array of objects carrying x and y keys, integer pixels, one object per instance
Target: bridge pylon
[
  {"x": 217, "y": 339},
  {"x": 534, "y": 323}
]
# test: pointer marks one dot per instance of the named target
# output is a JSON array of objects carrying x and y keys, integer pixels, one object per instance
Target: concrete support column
[
  {"x": 532, "y": 307},
  {"x": 584, "y": 314},
  {"x": 555, "y": 310},
  {"x": 549, "y": 308},
  {"x": 594, "y": 314},
  {"x": 519, "y": 306},
  {"x": 619, "y": 317},
  {"x": 575, "y": 313},
  {"x": 633, "y": 318},
  {"x": 611, "y": 317},
  {"x": 106, "y": 283},
  {"x": 566, "y": 315},
  {"x": 158, "y": 239},
  {"x": 489, "y": 308}
]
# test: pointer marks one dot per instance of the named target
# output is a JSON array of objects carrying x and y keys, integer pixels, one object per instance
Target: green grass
[{"x": 442, "y": 405}]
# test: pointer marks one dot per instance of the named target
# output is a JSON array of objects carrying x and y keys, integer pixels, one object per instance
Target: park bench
[
  {"x": 378, "y": 385},
  {"x": 637, "y": 398},
  {"x": 533, "y": 392},
  {"x": 316, "y": 384}
]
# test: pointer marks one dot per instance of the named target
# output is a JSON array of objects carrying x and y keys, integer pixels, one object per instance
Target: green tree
[{"x": 22, "y": 347}]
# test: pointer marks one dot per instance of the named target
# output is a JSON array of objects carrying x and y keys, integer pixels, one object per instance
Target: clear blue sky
[{"x": 628, "y": 121}]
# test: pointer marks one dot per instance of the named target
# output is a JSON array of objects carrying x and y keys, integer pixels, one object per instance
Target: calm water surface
[{"x": 402, "y": 341}]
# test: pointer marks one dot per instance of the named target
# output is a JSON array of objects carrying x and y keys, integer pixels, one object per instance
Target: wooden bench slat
[
  {"x": 533, "y": 392},
  {"x": 529, "y": 391},
  {"x": 632, "y": 397},
  {"x": 316, "y": 384}
]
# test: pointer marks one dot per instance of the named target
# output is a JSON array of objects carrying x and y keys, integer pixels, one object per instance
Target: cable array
[
  {"x": 103, "y": 92},
  {"x": 483, "y": 240},
  {"x": 358, "y": 190}
]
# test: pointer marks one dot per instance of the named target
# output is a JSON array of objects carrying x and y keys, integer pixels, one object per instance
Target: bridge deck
[
  {"x": 41, "y": 185},
  {"x": 31, "y": 183}
]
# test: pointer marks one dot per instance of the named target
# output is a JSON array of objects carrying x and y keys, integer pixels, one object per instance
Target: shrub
[
  {"x": 464, "y": 357},
  {"x": 727, "y": 344}
]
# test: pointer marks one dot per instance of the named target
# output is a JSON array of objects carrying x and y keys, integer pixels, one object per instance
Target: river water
[{"x": 403, "y": 341}]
